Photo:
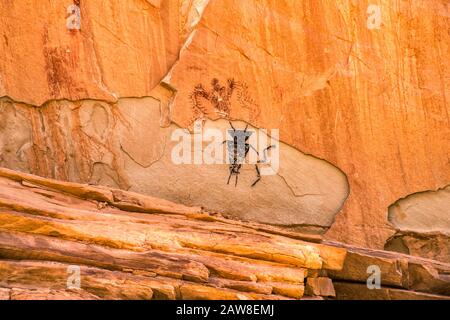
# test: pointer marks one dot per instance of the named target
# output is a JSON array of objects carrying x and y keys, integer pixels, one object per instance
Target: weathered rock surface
[
  {"x": 123, "y": 49},
  {"x": 372, "y": 102},
  {"x": 122, "y": 145},
  {"x": 132, "y": 246},
  {"x": 127, "y": 245},
  {"x": 428, "y": 245},
  {"x": 320, "y": 286},
  {"x": 402, "y": 276},
  {"x": 422, "y": 221}
]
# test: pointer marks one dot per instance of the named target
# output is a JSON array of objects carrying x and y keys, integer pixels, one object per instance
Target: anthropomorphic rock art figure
[{"x": 238, "y": 149}]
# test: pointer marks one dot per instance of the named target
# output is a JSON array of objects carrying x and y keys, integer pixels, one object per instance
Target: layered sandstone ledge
[{"x": 131, "y": 246}]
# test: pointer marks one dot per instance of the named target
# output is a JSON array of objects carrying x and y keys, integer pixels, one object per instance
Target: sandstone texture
[
  {"x": 123, "y": 48},
  {"x": 363, "y": 112},
  {"x": 124, "y": 146},
  {"x": 373, "y": 102},
  {"x": 131, "y": 246},
  {"x": 423, "y": 224},
  {"x": 402, "y": 277},
  {"x": 125, "y": 245}
]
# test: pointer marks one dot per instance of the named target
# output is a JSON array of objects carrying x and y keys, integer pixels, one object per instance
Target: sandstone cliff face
[
  {"x": 124, "y": 48},
  {"x": 373, "y": 103}
]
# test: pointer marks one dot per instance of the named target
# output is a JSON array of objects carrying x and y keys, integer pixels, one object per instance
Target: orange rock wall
[
  {"x": 123, "y": 48},
  {"x": 373, "y": 102}
]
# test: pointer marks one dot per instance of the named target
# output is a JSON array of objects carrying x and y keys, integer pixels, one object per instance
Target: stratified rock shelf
[{"x": 131, "y": 246}]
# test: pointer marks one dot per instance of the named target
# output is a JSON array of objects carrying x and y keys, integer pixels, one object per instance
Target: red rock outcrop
[
  {"x": 373, "y": 103},
  {"x": 130, "y": 246},
  {"x": 124, "y": 245},
  {"x": 402, "y": 277}
]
